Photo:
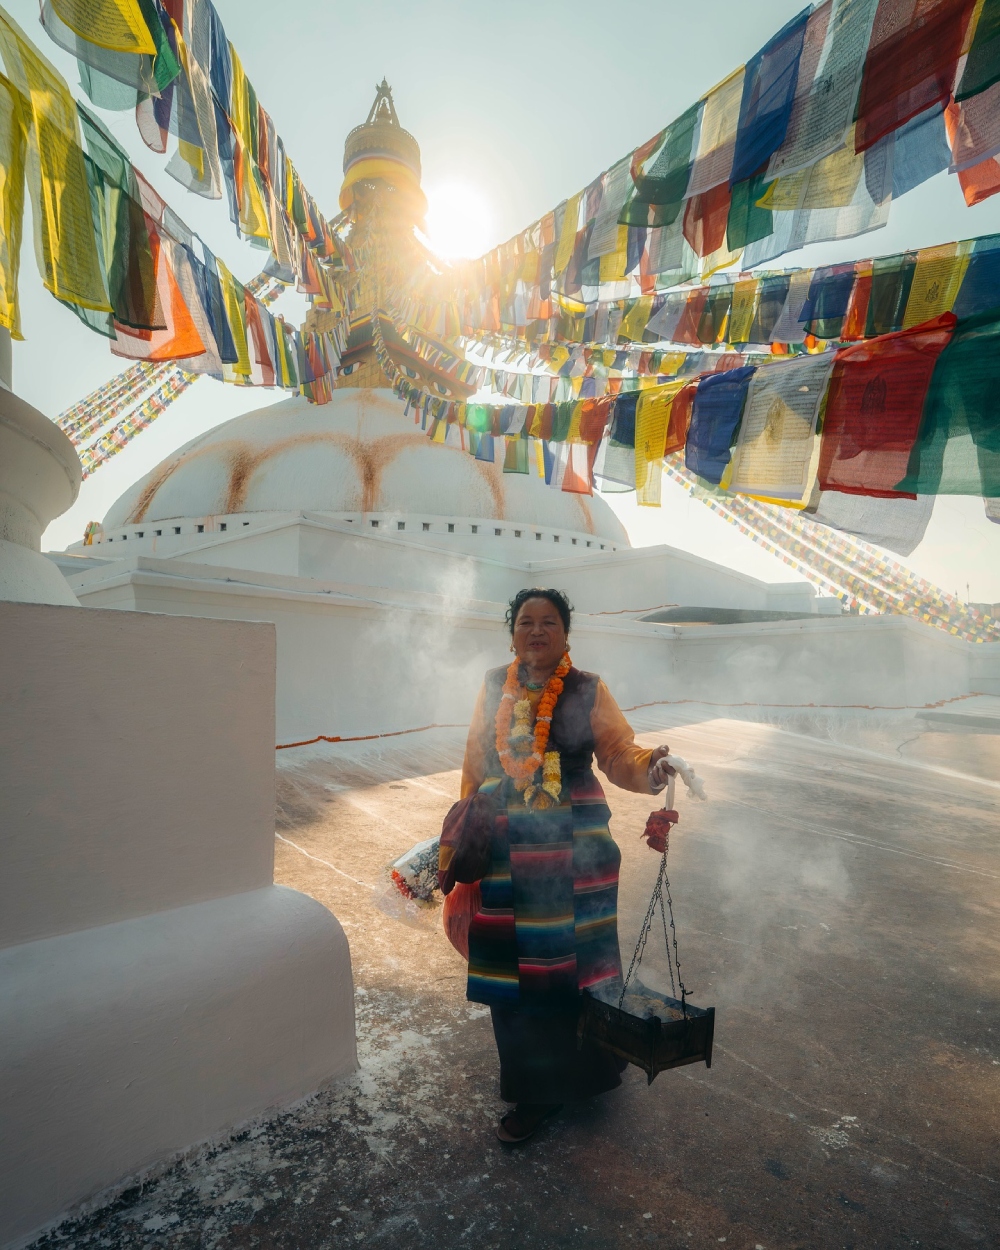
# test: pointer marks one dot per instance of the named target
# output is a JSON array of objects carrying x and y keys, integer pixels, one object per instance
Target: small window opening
[
  {"x": 124, "y": 538},
  {"x": 574, "y": 542},
  {"x": 475, "y": 529},
  {"x": 177, "y": 529},
  {"x": 246, "y": 522},
  {"x": 590, "y": 544},
  {"x": 602, "y": 546},
  {"x": 497, "y": 533},
  {"x": 517, "y": 533},
  {"x": 140, "y": 533},
  {"x": 374, "y": 525},
  {"x": 451, "y": 528},
  {"x": 538, "y": 537},
  {"x": 201, "y": 529},
  {"x": 427, "y": 526},
  {"x": 222, "y": 526},
  {"x": 401, "y": 525},
  {"x": 159, "y": 533},
  {"x": 555, "y": 538}
]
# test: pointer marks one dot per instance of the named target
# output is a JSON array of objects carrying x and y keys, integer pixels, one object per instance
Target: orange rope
[{"x": 865, "y": 707}]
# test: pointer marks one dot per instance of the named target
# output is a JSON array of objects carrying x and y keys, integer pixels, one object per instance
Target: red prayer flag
[
  {"x": 911, "y": 63},
  {"x": 705, "y": 218},
  {"x": 686, "y": 330},
  {"x": 874, "y": 405}
]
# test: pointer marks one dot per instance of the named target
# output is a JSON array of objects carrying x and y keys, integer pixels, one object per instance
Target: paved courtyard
[{"x": 836, "y": 901}]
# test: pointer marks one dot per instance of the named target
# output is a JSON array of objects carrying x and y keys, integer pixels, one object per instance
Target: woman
[{"x": 546, "y": 926}]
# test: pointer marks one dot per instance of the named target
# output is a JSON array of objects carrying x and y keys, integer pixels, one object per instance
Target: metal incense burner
[{"x": 649, "y": 1029}]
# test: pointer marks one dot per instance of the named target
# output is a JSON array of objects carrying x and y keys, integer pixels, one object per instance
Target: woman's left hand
[{"x": 659, "y": 770}]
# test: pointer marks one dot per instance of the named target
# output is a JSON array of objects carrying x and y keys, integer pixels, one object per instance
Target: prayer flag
[
  {"x": 823, "y": 117},
  {"x": 774, "y": 454},
  {"x": 13, "y": 145},
  {"x": 652, "y": 421},
  {"x": 892, "y": 277},
  {"x": 114, "y": 24},
  {"x": 705, "y": 218},
  {"x": 718, "y": 406},
  {"x": 873, "y": 409},
  {"x": 911, "y": 63},
  {"x": 768, "y": 94},
  {"x": 936, "y": 281},
  {"x": 958, "y": 448},
  {"x": 980, "y": 289},
  {"x": 897, "y": 524},
  {"x": 720, "y": 119},
  {"x": 982, "y": 66},
  {"x": 827, "y": 301},
  {"x": 661, "y": 175},
  {"x": 743, "y": 310}
]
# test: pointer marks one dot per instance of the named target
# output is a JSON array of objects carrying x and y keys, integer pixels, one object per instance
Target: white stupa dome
[{"x": 356, "y": 454}]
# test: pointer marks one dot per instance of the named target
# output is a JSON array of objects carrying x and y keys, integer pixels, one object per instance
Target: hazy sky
[{"x": 515, "y": 106}]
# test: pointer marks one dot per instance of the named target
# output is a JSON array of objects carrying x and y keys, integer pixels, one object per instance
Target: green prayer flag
[
  {"x": 892, "y": 277},
  {"x": 747, "y": 221},
  {"x": 982, "y": 67},
  {"x": 662, "y": 180},
  {"x": 516, "y": 456},
  {"x": 957, "y": 451}
]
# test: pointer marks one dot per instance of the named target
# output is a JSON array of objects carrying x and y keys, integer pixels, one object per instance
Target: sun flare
[{"x": 459, "y": 220}]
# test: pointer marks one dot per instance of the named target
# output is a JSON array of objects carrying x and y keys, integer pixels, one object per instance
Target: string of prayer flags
[
  {"x": 184, "y": 78},
  {"x": 847, "y": 107}
]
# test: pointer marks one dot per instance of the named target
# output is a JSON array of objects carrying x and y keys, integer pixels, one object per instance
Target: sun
[{"x": 459, "y": 220}]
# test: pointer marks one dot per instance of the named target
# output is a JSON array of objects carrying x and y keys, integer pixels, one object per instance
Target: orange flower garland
[{"x": 521, "y": 768}]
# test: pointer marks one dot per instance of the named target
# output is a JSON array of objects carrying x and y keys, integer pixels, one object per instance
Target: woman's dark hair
[{"x": 557, "y": 598}]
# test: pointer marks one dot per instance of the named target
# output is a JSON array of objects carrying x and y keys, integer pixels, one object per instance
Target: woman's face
[{"x": 539, "y": 634}]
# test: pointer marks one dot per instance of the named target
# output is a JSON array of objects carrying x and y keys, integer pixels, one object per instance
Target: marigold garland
[{"x": 515, "y": 706}]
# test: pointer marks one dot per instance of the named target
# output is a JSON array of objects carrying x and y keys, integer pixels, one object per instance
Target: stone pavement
[{"x": 836, "y": 900}]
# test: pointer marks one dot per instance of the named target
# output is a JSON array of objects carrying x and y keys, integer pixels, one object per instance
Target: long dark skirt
[{"x": 540, "y": 1061}]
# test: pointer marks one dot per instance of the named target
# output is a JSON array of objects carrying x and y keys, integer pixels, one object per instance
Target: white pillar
[{"x": 40, "y": 476}]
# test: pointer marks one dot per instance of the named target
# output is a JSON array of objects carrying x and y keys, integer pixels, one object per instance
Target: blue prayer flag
[
  {"x": 718, "y": 406},
  {"x": 768, "y": 94}
]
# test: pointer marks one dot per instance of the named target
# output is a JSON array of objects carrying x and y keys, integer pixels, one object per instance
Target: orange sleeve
[
  {"x": 622, "y": 762},
  {"x": 474, "y": 764}
]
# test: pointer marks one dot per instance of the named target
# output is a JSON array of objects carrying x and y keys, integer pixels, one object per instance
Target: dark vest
[{"x": 571, "y": 734}]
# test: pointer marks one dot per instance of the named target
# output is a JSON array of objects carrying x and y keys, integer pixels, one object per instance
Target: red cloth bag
[{"x": 459, "y": 908}]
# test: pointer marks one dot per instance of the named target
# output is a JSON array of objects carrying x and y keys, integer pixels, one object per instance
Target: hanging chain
[{"x": 661, "y": 889}]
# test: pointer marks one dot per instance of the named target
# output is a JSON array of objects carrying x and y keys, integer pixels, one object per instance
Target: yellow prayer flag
[
  {"x": 936, "y": 280},
  {"x": 634, "y": 324},
  {"x": 613, "y": 263},
  {"x": 236, "y": 316},
  {"x": 744, "y": 309},
  {"x": 65, "y": 241},
  {"x": 253, "y": 212},
  {"x": 13, "y": 142},
  {"x": 652, "y": 417},
  {"x": 567, "y": 236},
  {"x": 114, "y": 24}
]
